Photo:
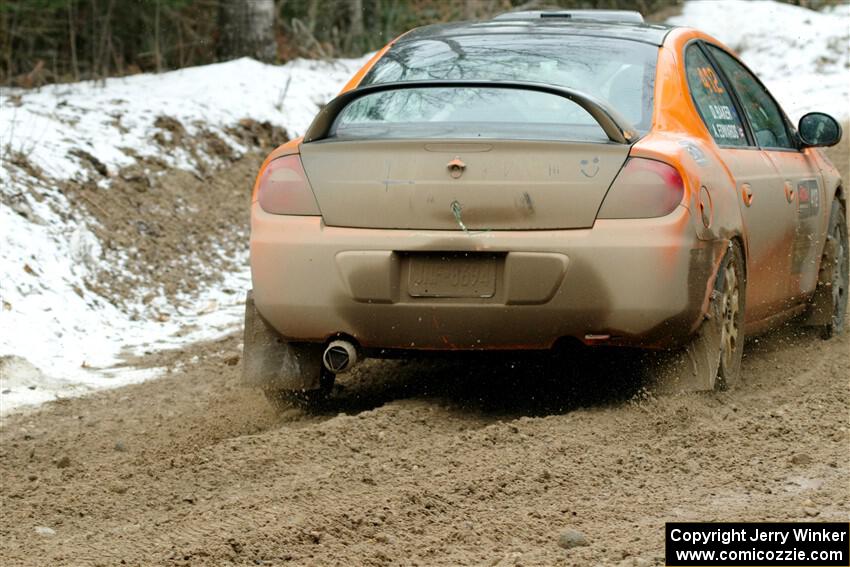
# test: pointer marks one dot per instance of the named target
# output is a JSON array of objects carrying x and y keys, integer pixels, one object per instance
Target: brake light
[
  {"x": 644, "y": 188},
  {"x": 283, "y": 188}
]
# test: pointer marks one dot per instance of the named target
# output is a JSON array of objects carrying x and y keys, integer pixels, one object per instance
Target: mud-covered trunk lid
[{"x": 429, "y": 184}]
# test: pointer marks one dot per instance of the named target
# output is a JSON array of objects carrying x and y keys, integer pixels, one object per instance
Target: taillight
[
  {"x": 644, "y": 188},
  {"x": 283, "y": 188}
]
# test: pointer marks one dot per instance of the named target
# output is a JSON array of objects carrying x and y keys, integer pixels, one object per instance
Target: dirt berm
[{"x": 422, "y": 464}]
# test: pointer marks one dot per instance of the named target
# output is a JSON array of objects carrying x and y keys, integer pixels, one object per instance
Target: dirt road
[{"x": 422, "y": 464}]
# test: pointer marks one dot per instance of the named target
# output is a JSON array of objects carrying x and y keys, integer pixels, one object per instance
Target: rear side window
[
  {"x": 764, "y": 114},
  {"x": 712, "y": 100},
  {"x": 618, "y": 71}
]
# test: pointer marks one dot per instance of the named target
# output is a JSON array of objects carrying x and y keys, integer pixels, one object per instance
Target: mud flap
[
  {"x": 694, "y": 367},
  {"x": 821, "y": 307},
  {"x": 270, "y": 362}
]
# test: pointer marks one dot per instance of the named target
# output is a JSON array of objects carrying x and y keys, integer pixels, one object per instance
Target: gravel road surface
[{"x": 437, "y": 463}]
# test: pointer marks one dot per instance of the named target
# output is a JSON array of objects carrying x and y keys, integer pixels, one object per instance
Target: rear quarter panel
[{"x": 680, "y": 137}]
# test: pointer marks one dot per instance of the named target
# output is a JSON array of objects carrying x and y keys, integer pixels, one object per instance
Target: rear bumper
[{"x": 642, "y": 282}]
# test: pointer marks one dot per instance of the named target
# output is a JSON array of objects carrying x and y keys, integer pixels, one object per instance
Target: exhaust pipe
[{"x": 339, "y": 356}]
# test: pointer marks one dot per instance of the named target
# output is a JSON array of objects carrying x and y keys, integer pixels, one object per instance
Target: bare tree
[
  {"x": 355, "y": 11},
  {"x": 247, "y": 29}
]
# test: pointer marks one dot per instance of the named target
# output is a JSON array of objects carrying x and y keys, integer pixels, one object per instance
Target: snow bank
[
  {"x": 802, "y": 56},
  {"x": 47, "y": 315},
  {"x": 103, "y": 117}
]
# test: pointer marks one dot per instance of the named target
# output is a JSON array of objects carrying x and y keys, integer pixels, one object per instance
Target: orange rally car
[{"x": 541, "y": 178}]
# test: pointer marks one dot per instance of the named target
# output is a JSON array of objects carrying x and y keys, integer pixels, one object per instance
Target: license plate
[{"x": 452, "y": 276}]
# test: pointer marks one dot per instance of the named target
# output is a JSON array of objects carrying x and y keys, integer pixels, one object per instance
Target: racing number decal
[
  {"x": 712, "y": 100},
  {"x": 710, "y": 80}
]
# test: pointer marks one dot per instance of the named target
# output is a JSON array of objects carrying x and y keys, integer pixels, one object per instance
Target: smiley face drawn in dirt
[{"x": 590, "y": 168}]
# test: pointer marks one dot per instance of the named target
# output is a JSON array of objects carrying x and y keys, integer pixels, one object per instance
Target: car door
[
  {"x": 767, "y": 216},
  {"x": 796, "y": 170}
]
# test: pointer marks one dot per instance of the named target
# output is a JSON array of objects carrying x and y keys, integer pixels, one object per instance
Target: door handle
[
  {"x": 747, "y": 194},
  {"x": 789, "y": 192}
]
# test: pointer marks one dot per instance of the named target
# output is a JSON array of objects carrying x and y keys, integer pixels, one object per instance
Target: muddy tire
[
  {"x": 712, "y": 359},
  {"x": 282, "y": 399},
  {"x": 828, "y": 308}
]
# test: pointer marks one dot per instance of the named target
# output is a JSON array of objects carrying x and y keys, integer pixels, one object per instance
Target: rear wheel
[
  {"x": 732, "y": 316},
  {"x": 829, "y": 303},
  {"x": 712, "y": 358}
]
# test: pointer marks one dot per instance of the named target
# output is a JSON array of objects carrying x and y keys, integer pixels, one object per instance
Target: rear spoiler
[
  {"x": 618, "y": 129},
  {"x": 619, "y": 16}
]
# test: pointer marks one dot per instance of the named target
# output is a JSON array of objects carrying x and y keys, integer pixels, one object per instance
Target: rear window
[
  {"x": 451, "y": 112},
  {"x": 620, "y": 72}
]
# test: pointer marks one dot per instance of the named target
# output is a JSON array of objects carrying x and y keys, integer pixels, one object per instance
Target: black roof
[{"x": 653, "y": 34}]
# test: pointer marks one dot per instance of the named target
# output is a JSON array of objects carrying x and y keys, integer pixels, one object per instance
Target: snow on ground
[
  {"x": 74, "y": 337},
  {"x": 47, "y": 316},
  {"x": 102, "y": 117},
  {"x": 802, "y": 56}
]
